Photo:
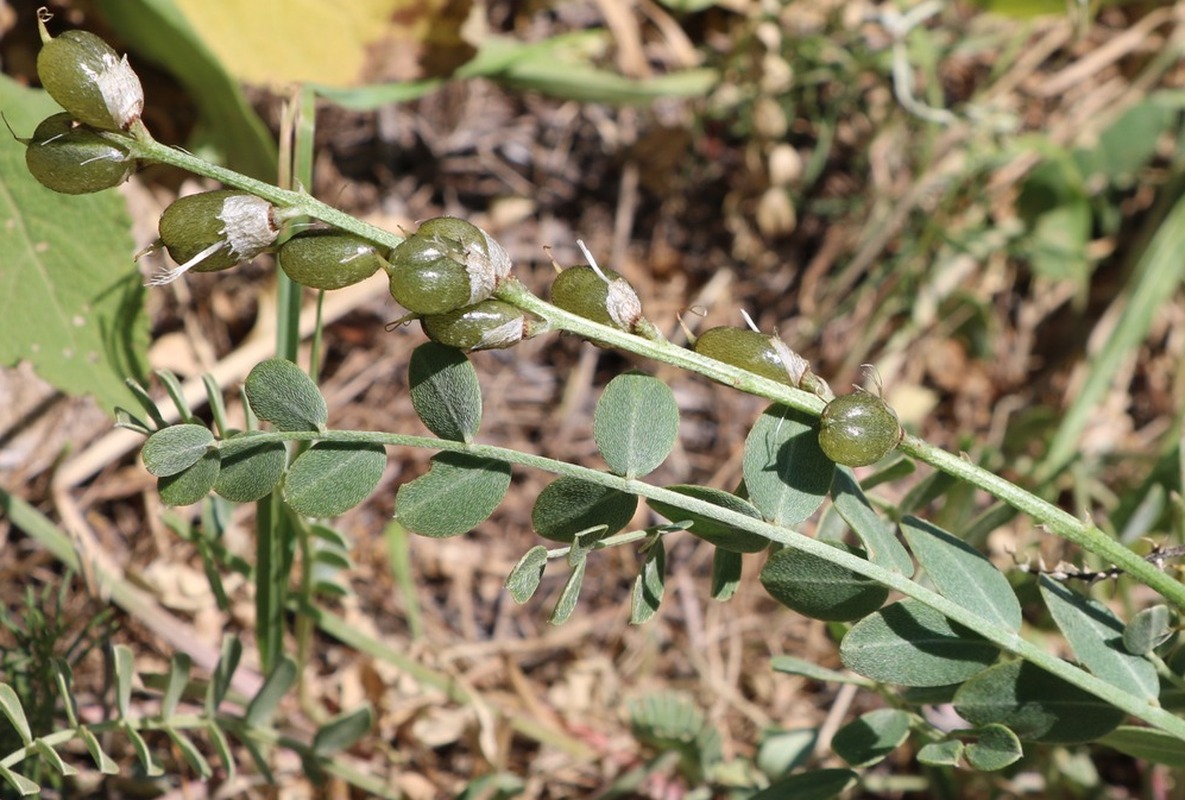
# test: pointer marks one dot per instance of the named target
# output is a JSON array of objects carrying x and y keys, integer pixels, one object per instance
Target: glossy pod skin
[
  {"x": 74, "y": 159},
  {"x": 89, "y": 79},
  {"x": 227, "y": 226},
  {"x": 488, "y": 325},
  {"x": 329, "y": 259},
  {"x": 581, "y": 291},
  {"x": 858, "y": 429},
  {"x": 446, "y": 264},
  {"x": 757, "y": 352}
]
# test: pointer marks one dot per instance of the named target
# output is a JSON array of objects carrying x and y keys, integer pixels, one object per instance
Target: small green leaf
[
  {"x": 64, "y": 682},
  {"x": 941, "y": 754},
  {"x": 281, "y": 393},
  {"x": 191, "y": 485},
  {"x": 570, "y": 594},
  {"x": 143, "y": 754},
  {"x": 222, "y": 747},
  {"x": 636, "y": 424},
  {"x": 819, "y": 784},
  {"x": 786, "y": 473},
  {"x": 176, "y": 394},
  {"x": 780, "y": 751},
  {"x": 708, "y": 529},
  {"x": 330, "y": 478},
  {"x": 250, "y": 469},
  {"x": 568, "y": 505},
  {"x": 343, "y": 731},
  {"x": 877, "y": 535},
  {"x": 263, "y": 706},
  {"x": 1147, "y": 630},
  {"x": 10, "y": 706},
  {"x": 962, "y": 574},
  {"x": 820, "y": 589},
  {"x": 228, "y": 662},
  {"x": 122, "y": 661},
  {"x": 649, "y": 585},
  {"x": 524, "y": 579},
  {"x": 1036, "y": 705},
  {"x": 1147, "y": 744},
  {"x": 51, "y": 757},
  {"x": 24, "y": 787},
  {"x": 726, "y": 574},
  {"x": 193, "y": 757},
  {"x": 178, "y": 680},
  {"x": 176, "y": 448},
  {"x": 1096, "y": 635},
  {"x": 868, "y": 739},
  {"x": 103, "y": 761},
  {"x": 457, "y": 494},
  {"x": 445, "y": 392},
  {"x": 995, "y": 748},
  {"x": 911, "y": 644},
  {"x": 793, "y": 665}
]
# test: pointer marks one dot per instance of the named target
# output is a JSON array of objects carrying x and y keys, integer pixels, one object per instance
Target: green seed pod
[
  {"x": 89, "y": 79},
  {"x": 760, "y": 353},
  {"x": 609, "y": 300},
  {"x": 72, "y": 159},
  {"x": 445, "y": 265},
  {"x": 215, "y": 230},
  {"x": 858, "y": 429},
  {"x": 489, "y": 325},
  {"x": 329, "y": 259}
]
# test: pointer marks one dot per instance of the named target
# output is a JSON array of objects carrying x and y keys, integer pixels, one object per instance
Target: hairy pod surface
[
  {"x": 762, "y": 354},
  {"x": 89, "y": 79},
  {"x": 609, "y": 300},
  {"x": 216, "y": 230},
  {"x": 858, "y": 429},
  {"x": 446, "y": 264},
  {"x": 329, "y": 259},
  {"x": 74, "y": 159},
  {"x": 489, "y": 325}
]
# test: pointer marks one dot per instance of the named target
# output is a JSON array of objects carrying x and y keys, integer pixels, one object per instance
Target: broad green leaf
[
  {"x": 868, "y": 739},
  {"x": 51, "y": 757},
  {"x": 178, "y": 679},
  {"x": 156, "y": 31},
  {"x": 726, "y": 574},
  {"x": 1035, "y": 705},
  {"x": 10, "y": 706},
  {"x": 718, "y": 533},
  {"x": 140, "y": 748},
  {"x": 636, "y": 424},
  {"x": 961, "y": 573},
  {"x": 263, "y": 706},
  {"x": 568, "y": 505},
  {"x": 24, "y": 787},
  {"x": 524, "y": 579},
  {"x": 1096, "y": 635},
  {"x": 1148, "y": 744},
  {"x": 819, "y": 784},
  {"x": 123, "y": 664},
  {"x": 995, "y": 748},
  {"x": 820, "y": 589},
  {"x": 250, "y": 469},
  {"x": 876, "y": 534},
  {"x": 189, "y": 751},
  {"x": 786, "y": 473},
  {"x": 793, "y": 665},
  {"x": 343, "y": 731},
  {"x": 175, "y": 448},
  {"x": 911, "y": 644},
  {"x": 649, "y": 585},
  {"x": 941, "y": 754},
  {"x": 1147, "y": 630},
  {"x": 780, "y": 751},
  {"x": 457, "y": 494},
  {"x": 445, "y": 392},
  {"x": 103, "y": 761},
  {"x": 191, "y": 484},
  {"x": 566, "y": 603},
  {"x": 1131, "y": 141},
  {"x": 330, "y": 478},
  {"x": 281, "y": 393},
  {"x": 224, "y": 670},
  {"x": 71, "y": 297}
]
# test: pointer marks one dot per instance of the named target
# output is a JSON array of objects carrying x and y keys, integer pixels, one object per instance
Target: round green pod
[
  {"x": 858, "y": 429},
  {"x": 489, "y": 325},
  {"x": 446, "y": 264},
  {"x": 89, "y": 79},
  {"x": 329, "y": 259},
  {"x": 75, "y": 160},
  {"x": 609, "y": 300},
  {"x": 757, "y": 352},
  {"x": 216, "y": 230}
]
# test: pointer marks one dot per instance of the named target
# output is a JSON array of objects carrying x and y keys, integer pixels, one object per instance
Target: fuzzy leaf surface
[
  {"x": 996, "y": 748},
  {"x": 566, "y": 603},
  {"x": 649, "y": 585},
  {"x": 568, "y": 505},
  {"x": 191, "y": 484},
  {"x": 723, "y": 536},
  {"x": 281, "y": 393},
  {"x": 876, "y": 534},
  {"x": 175, "y": 448},
  {"x": 1148, "y": 744},
  {"x": 457, "y": 494},
  {"x": 10, "y": 706},
  {"x": 868, "y": 739},
  {"x": 941, "y": 754},
  {"x": 250, "y": 469},
  {"x": 1148, "y": 629},
  {"x": 636, "y": 424},
  {"x": 445, "y": 392},
  {"x": 726, "y": 574},
  {"x": 786, "y": 472},
  {"x": 523, "y": 580},
  {"x": 820, "y": 589},
  {"x": 330, "y": 478}
]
